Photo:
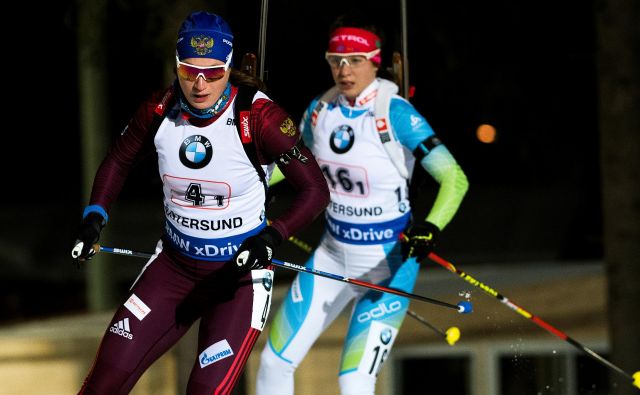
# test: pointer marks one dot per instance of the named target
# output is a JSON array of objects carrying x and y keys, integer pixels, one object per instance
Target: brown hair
[
  {"x": 238, "y": 78},
  {"x": 361, "y": 22}
]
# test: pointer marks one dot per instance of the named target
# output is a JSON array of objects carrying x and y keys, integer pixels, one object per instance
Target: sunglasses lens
[
  {"x": 334, "y": 61},
  {"x": 213, "y": 74},
  {"x": 353, "y": 61},
  {"x": 184, "y": 73},
  {"x": 191, "y": 73}
]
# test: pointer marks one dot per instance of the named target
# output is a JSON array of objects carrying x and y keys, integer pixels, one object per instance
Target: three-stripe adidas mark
[{"x": 122, "y": 328}]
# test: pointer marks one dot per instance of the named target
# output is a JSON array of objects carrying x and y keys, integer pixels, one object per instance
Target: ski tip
[
  {"x": 465, "y": 307},
  {"x": 636, "y": 379},
  {"x": 452, "y": 335}
]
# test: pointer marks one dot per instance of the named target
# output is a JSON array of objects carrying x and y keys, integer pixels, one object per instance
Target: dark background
[{"x": 526, "y": 68}]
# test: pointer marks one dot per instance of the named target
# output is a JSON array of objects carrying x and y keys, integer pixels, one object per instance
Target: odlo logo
[
  {"x": 380, "y": 310},
  {"x": 122, "y": 328}
]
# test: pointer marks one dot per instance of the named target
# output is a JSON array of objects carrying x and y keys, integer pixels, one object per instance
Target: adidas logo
[{"x": 122, "y": 328}]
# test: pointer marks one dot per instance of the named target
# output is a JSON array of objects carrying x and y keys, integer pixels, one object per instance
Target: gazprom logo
[{"x": 215, "y": 353}]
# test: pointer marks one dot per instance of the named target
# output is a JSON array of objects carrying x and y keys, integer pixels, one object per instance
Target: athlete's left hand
[
  {"x": 419, "y": 240},
  {"x": 256, "y": 251}
]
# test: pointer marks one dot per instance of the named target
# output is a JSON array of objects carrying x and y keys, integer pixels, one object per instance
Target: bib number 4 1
[{"x": 194, "y": 194}]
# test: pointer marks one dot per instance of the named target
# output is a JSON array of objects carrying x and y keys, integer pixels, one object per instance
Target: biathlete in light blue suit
[{"x": 365, "y": 138}]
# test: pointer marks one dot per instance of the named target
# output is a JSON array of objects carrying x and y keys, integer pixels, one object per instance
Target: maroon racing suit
[{"x": 190, "y": 276}]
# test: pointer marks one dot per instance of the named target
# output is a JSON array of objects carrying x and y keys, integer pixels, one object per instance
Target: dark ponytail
[{"x": 239, "y": 78}]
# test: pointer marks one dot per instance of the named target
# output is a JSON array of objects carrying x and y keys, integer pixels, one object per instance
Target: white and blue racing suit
[{"x": 368, "y": 210}]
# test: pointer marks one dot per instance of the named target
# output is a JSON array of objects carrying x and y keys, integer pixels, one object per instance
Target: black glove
[
  {"x": 88, "y": 235},
  {"x": 256, "y": 251},
  {"x": 419, "y": 240}
]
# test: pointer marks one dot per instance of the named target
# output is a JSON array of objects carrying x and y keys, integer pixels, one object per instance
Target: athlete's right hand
[{"x": 88, "y": 235}]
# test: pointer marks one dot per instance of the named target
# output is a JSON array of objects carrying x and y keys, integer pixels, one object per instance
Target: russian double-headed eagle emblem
[
  {"x": 287, "y": 127},
  {"x": 202, "y": 44}
]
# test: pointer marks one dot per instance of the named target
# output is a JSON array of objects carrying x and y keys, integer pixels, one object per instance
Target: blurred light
[{"x": 486, "y": 133}]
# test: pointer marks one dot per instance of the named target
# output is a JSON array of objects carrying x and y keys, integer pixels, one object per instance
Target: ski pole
[
  {"x": 635, "y": 378},
  {"x": 262, "y": 39},
  {"x": 300, "y": 244},
  {"x": 462, "y": 307},
  {"x": 121, "y": 251},
  {"x": 452, "y": 335},
  {"x": 405, "y": 51}
]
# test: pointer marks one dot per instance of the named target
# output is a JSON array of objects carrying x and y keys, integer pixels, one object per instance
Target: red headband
[{"x": 348, "y": 40}]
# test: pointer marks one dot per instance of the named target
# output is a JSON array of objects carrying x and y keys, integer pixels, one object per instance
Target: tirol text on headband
[{"x": 354, "y": 41}]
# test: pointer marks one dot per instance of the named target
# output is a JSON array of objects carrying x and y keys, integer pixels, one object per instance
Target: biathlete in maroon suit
[{"x": 213, "y": 261}]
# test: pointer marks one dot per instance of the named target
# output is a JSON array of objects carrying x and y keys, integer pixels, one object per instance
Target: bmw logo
[
  {"x": 196, "y": 152},
  {"x": 385, "y": 336},
  {"x": 341, "y": 139},
  {"x": 267, "y": 281}
]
